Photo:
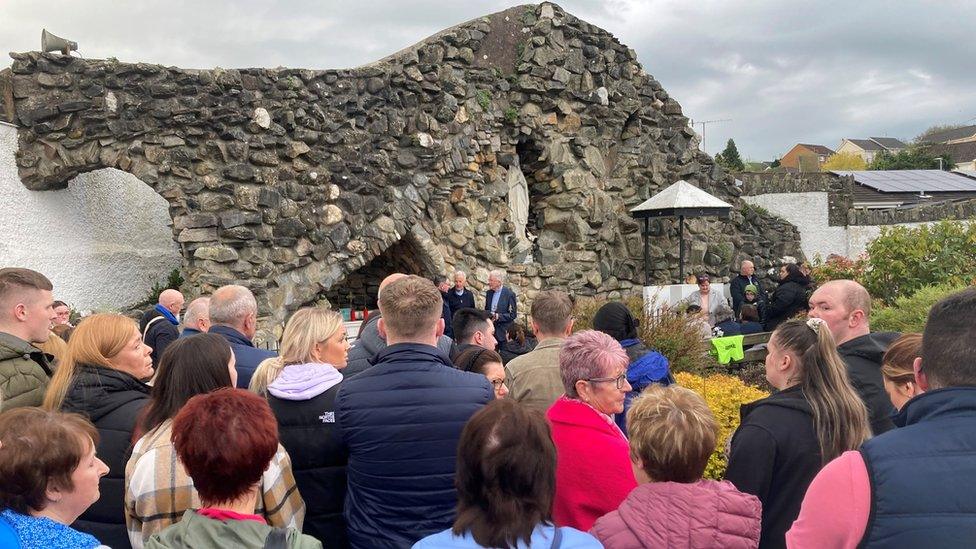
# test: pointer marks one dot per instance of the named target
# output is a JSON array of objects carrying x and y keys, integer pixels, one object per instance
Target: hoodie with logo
[{"x": 303, "y": 400}]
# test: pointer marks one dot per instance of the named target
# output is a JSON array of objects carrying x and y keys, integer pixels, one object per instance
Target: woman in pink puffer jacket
[{"x": 672, "y": 435}]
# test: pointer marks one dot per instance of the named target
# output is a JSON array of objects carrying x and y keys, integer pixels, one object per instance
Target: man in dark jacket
[
  {"x": 473, "y": 327},
  {"x": 846, "y": 307},
  {"x": 912, "y": 486},
  {"x": 441, "y": 282},
  {"x": 196, "y": 320},
  {"x": 401, "y": 421},
  {"x": 234, "y": 316},
  {"x": 26, "y": 314},
  {"x": 370, "y": 342},
  {"x": 737, "y": 286},
  {"x": 159, "y": 324},
  {"x": 501, "y": 303},
  {"x": 459, "y": 297}
]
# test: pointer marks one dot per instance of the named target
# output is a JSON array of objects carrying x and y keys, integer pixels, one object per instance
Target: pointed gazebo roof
[{"x": 681, "y": 199}]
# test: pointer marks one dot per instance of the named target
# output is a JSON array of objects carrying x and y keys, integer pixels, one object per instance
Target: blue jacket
[
  {"x": 646, "y": 367},
  {"x": 245, "y": 353},
  {"x": 401, "y": 421},
  {"x": 507, "y": 310},
  {"x": 923, "y": 474}
]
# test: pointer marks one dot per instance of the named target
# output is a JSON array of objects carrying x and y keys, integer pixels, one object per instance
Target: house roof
[
  {"x": 958, "y": 152},
  {"x": 681, "y": 198},
  {"x": 866, "y": 144},
  {"x": 912, "y": 181},
  {"x": 819, "y": 149},
  {"x": 889, "y": 142},
  {"x": 951, "y": 135}
]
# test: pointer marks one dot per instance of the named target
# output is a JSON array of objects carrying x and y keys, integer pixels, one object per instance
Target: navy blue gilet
[{"x": 923, "y": 474}]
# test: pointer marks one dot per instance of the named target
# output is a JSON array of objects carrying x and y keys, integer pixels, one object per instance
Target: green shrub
[
  {"x": 173, "y": 281},
  {"x": 667, "y": 331},
  {"x": 724, "y": 395},
  {"x": 908, "y": 314},
  {"x": 903, "y": 260}
]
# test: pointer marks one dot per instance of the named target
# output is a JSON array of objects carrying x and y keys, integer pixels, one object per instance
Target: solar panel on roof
[{"x": 913, "y": 181}]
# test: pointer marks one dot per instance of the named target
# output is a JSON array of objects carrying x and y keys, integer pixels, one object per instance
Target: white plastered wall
[
  {"x": 808, "y": 212},
  {"x": 102, "y": 241}
]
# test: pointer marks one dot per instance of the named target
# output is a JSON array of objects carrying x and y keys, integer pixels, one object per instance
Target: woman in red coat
[{"x": 593, "y": 474}]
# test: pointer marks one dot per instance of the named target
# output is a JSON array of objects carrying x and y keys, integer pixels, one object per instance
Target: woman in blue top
[
  {"x": 646, "y": 366},
  {"x": 48, "y": 476},
  {"x": 506, "y": 481}
]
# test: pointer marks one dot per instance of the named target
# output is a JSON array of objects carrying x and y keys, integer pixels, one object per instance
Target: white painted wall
[
  {"x": 808, "y": 211},
  {"x": 102, "y": 241}
]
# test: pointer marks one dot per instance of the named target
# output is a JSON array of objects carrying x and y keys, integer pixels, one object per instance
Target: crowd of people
[{"x": 177, "y": 431}]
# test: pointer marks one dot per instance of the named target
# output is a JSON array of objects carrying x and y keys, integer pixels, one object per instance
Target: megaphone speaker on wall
[{"x": 50, "y": 42}]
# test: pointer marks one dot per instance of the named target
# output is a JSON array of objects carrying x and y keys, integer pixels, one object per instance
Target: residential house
[
  {"x": 871, "y": 147},
  {"x": 958, "y": 143},
  {"x": 956, "y": 135},
  {"x": 805, "y": 157}
]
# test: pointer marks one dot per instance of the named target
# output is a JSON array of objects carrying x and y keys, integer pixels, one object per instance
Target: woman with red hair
[{"x": 225, "y": 440}]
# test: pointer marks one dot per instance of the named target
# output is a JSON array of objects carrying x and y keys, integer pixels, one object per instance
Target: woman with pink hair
[{"x": 593, "y": 473}]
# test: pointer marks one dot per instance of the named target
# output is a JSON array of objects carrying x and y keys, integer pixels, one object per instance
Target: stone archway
[{"x": 413, "y": 254}]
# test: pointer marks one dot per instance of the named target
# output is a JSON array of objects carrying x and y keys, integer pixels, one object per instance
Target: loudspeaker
[{"x": 50, "y": 42}]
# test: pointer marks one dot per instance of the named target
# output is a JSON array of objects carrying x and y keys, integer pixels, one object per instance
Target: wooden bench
[{"x": 749, "y": 355}]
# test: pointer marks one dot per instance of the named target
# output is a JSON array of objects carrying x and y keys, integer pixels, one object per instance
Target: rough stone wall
[{"x": 288, "y": 180}]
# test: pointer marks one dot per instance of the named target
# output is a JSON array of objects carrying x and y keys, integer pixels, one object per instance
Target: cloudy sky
[{"x": 782, "y": 71}]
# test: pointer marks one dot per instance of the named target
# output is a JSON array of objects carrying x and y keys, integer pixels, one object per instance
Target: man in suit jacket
[
  {"x": 501, "y": 303},
  {"x": 459, "y": 297}
]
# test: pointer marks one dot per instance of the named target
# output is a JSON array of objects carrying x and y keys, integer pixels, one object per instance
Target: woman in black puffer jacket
[
  {"x": 789, "y": 298},
  {"x": 102, "y": 379}
]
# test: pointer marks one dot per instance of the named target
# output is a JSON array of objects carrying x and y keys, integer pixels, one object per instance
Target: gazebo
[{"x": 680, "y": 200}]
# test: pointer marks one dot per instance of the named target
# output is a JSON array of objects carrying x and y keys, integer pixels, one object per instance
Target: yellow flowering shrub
[{"x": 724, "y": 394}]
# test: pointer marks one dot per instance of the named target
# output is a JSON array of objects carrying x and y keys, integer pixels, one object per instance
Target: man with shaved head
[
  {"x": 846, "y": 307},
  {"x": 159, "y": 324},
  {"x": 737, "y": 286},
  {"x": 370, "y": 341}
]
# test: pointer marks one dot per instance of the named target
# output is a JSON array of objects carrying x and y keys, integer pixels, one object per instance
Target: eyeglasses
[
  {"x": 620, "y": 380},
  {"x": 496, "y": 384}
]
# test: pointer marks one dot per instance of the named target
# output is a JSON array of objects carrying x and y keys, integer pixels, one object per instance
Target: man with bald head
[
  {"x": 737, "y": 286},
  {"x": 846, "y": 307},
  {"x": 159, "y": 324},
  {"x": 370, "y": 341}
]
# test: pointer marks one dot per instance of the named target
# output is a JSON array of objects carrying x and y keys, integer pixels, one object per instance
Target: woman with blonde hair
[
  {"x": 897, "y": 369},
  {"x": 786, "y": 438},
  {"x": 102, "y": 378},
  {"x": 301, "y": 385}
]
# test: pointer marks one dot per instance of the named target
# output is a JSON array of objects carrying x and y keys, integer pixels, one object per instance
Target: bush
[
  {"x": 667, "y": 331},
  {"x": 908, "y": 314},
  {"x": 903, "y": 260},
  {"x": 837, "y": 267},
  {"x": 173, "y": 281},
  {"x": 724, "y": 395},
  {"x": 586, "y": 308}
]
